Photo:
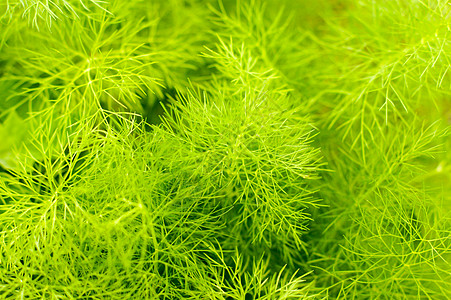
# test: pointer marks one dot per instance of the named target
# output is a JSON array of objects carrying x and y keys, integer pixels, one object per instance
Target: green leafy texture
[
  {"x": 254, "y": 149},
  {"x": 63, "y": 236},
  {"x": 111, "y": 218},
  {"x": 221, "y": 199},
  {"x": 116, "y": 64},
  {"x": 393, "y": 58},
  {"x": 38, "y": 11},
  {"x": 259, "y": 284},
  {"x": 384, "y": 236},
  {"x": 383, "y": 122},
  {"x": 250, "y": 143},
  {"x": 270, "y": 40}
]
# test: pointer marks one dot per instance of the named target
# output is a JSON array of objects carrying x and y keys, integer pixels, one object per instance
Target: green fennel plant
[{"x": 225, "y": 149}]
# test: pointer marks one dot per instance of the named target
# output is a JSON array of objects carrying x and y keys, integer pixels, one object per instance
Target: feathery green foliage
[{"x": 234, "y": 149}]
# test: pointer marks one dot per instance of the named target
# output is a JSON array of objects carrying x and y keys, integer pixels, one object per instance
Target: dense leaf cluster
[{"x": 225, "y": 149}]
